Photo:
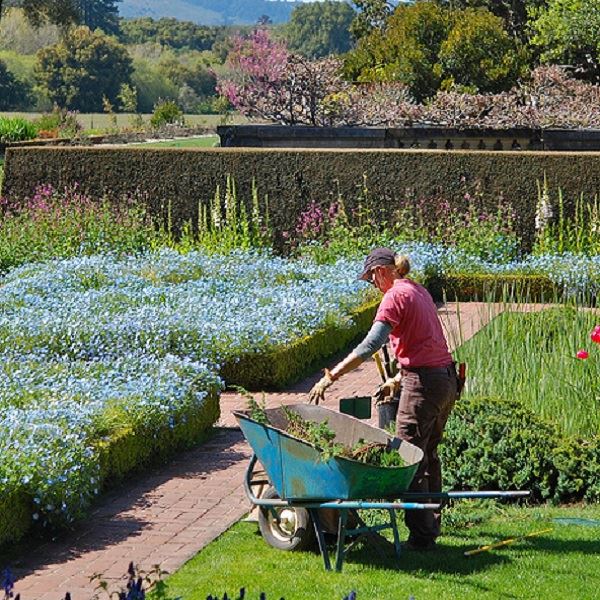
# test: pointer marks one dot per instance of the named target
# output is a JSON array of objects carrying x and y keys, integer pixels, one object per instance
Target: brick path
[{"x": 167, "y": 516}]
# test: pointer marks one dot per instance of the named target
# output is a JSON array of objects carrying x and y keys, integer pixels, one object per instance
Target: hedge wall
[
  {"x": 293, "y": 177},
  {"x": 497, "y": 288}
]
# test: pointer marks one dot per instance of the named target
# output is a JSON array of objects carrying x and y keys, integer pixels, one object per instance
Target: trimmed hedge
[
  {"x": 123, "y": 452},
  {"x": 499, "y": 444},
  {"x": 132, "y": 446},
  {"x": 294, "y": 178},
  {"x": 15, "y": 515},
  {"x": 280, "y": 367}
]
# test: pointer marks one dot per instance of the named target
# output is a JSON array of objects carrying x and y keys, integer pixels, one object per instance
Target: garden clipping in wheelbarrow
[{"x": 321, "y": 436}]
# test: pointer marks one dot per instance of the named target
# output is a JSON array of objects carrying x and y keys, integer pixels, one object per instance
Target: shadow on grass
[
  {"x": 450, "y": 560},
  {"x": 445, "y": 559}
]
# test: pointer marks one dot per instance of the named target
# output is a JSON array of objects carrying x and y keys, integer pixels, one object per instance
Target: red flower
[
  {"x": 595, "y": 335},
  {"x": 582, "y": 354}
]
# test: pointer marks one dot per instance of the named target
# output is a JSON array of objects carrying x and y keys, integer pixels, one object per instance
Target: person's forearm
[{"x": 345, "y": 366}]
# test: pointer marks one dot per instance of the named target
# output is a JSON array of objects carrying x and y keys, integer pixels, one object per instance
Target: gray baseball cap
[{"x": 378, "y": 256}]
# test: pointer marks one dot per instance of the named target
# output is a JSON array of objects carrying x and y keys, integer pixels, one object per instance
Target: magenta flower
[
  {"x": 582, "y": 354},
  {"x": 595, "y": 335}
]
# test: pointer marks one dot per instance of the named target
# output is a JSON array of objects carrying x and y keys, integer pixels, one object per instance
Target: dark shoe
[{"x": 420, "y": 546}]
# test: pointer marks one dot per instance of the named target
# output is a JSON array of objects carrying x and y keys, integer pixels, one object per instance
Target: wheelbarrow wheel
[{"x": 285, "y": 527}]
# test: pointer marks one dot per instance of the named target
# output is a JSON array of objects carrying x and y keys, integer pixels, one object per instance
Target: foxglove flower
[{"x": 543, "y": 213}]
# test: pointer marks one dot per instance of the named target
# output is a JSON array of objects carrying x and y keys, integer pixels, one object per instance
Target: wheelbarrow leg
[
  {"x": 394, "y": 526},
  {"x": 314, "y": 515},
  {"x": 339, "y": 561}
]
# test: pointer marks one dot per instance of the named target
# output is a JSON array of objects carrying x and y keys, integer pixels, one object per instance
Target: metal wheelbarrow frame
[{"x": 305, "y": 482}]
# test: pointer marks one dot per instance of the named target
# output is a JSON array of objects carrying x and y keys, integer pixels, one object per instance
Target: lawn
[
  {"x": 209, "y": 141},
  {"x": 562, "y": 563},
  {"x": 103, "y": 121}
]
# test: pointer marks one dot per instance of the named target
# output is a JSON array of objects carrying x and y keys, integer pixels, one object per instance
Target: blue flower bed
[
  {"x": 53, "y": 412},
  {"x": 208, "y": 308},
  {"x": 90, "y": 342},
  {"x": 573, "y": 273},
  {"x": 90, "y": 345}
]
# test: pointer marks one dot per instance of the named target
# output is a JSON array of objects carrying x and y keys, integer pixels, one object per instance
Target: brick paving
[{"x": 165, "y": 517}]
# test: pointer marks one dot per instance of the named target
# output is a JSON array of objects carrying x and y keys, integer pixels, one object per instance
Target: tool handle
[
  {"x": 387, "y": 365},
  {"x": 506, "y": 542},
  {"x": 379, "y": 365}
]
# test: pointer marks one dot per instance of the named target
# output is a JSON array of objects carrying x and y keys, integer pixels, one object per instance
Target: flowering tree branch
[{"x": 268, "y": 82}]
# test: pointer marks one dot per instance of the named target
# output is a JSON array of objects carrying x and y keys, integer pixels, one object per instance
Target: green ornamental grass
[
  {"x": 532, "y": 357},
  {"x": 16, "y": 129}
]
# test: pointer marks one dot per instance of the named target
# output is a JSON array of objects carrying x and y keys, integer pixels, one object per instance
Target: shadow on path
[{"x": 110, "y": 521}]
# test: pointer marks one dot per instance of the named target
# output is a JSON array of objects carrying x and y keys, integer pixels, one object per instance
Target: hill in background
[{"x": 210, "y": 12}]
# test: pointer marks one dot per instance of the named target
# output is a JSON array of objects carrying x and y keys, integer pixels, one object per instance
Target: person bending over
[{"x": 427, "y": 378}]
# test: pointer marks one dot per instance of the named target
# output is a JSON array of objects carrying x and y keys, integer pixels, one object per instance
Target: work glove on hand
[
  {"x": 389, "y": 387},
  {"x": 317, "y": 393}
]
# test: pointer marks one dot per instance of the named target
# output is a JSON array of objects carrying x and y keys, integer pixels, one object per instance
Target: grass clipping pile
[{"x": 322, "y": 437}]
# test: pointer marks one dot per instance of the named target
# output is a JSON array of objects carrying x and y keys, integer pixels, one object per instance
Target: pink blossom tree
[{"x": 268, "y": 82}]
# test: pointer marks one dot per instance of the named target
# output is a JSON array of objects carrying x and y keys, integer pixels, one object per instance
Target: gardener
[{"x": 408, "y": 316}]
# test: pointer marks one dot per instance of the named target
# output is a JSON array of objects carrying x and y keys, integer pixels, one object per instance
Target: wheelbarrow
[{"x": 303, "y": 484}]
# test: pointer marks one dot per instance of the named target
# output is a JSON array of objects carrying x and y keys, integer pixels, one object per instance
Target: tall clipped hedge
[{"x": 292, "y": 178}]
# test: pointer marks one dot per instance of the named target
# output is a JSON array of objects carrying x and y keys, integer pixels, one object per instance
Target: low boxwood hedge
[
  {"x": 468, "y": 287},
  {"x": 270, "y": 370},
  {"x": 126, "y": 450}
]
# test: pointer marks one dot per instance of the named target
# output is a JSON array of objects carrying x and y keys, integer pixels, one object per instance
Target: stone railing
[{"x": 434, "y": 138}]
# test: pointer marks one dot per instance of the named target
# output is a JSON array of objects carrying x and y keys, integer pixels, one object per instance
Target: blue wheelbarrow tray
[{"x": 298, "y": 472}]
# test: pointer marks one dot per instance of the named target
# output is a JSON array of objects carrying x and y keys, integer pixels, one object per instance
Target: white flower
[{"x": 544, "y": 212}]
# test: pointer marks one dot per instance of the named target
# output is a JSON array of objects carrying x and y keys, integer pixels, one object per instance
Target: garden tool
[
  {"x": 462, "y": 377},
  {"x": 387, "y": 405},
  {"x": 389, "y": 365},
  {"x": 379, "y": 366},
  {"x": 506, "y": 542}
]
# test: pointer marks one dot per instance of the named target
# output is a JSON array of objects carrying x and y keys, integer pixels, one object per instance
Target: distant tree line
[
  {"x": 180, "y": 35},
  {"x": 428, "y": 46}
]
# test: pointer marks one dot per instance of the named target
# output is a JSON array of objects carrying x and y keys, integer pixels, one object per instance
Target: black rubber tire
[{"x": 296, "y": 532}]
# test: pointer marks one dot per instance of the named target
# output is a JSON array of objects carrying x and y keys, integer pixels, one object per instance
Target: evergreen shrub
[{"x": 491, "y": 443}]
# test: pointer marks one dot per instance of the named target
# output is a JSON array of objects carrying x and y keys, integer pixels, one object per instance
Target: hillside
[{"x": 210, "y": 12}]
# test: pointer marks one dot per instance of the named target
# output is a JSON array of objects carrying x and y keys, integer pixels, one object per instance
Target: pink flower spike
[{"x": 582, "y": 354}]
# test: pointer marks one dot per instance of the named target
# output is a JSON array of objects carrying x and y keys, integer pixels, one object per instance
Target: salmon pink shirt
[{"x": 417, "y": 339}]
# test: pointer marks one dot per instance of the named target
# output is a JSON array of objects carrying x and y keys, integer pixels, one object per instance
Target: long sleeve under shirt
[{"x": 375, "y": 339}]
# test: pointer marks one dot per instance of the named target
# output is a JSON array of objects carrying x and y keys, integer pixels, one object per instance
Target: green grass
[
  {"x": 531, "y": 357},
  {"x": 102, "y": 121},
  {"x": 563, "y": 563},
  {"x": 203, "y": 142}
]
